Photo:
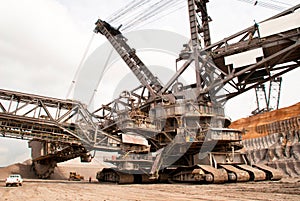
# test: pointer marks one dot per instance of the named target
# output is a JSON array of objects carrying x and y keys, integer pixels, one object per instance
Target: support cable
[
  {"x": 72, "y": 86},
  {"x": 158, "y": 17},
  {"x": 281, "y": 2},
  {"x": 158, "y": 7},
  {"x": 265, "y": 4},
  {"x": 130, "y": 7}
]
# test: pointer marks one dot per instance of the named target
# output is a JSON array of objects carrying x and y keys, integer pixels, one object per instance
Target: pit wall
[
  {"x": 276, "y": 151},
  {"x": 273, "y": 138}
]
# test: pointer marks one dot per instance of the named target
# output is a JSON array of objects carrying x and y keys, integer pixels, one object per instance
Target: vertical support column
[
  {"x": 261, "y": 98},
  {"x": 197, "y": 9},
  {"x": 201, "y": 4},
  {"x": 193, "y": 22},
  {"x": 274, "y": 93},
  {"x": 194, "y": 38},
  {"x": 37, "y": 148}
]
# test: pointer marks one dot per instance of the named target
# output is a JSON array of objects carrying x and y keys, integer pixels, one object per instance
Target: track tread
[
  {"x": 255, "y": 174},
  {"x": 241, "y": 175},
  {"x": 220, "y": 175}
]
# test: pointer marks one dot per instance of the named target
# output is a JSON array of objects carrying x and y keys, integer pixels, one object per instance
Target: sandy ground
[
  {"x": 59, "y": 188},
  {"x": 37, "y": 190}
]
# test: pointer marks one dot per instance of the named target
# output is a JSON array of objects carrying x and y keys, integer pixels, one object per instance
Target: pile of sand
[
  {"x": 62, "y": 170},
  {"x": 19, "y": 168}
]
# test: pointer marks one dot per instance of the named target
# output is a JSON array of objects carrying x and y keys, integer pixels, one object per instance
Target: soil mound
[{"x": 61, "y": 172}]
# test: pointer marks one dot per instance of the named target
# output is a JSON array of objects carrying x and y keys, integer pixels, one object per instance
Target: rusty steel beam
[{"x": 33, "y": 117}]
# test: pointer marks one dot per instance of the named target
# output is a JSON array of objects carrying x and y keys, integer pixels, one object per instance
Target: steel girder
[{"x": 33, "y": 117}]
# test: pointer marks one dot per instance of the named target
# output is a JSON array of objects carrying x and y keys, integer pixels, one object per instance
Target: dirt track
[{"x": 36, "y": 190}]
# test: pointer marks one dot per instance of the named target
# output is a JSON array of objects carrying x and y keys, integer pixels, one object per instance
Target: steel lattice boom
[{"x": 28, "y": 116}]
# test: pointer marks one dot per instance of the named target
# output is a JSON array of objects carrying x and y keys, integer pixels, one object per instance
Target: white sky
[{"x": 42, "y": 43}]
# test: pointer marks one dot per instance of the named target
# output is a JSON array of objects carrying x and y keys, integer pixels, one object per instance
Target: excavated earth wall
[{"x": 273, "y": 138}]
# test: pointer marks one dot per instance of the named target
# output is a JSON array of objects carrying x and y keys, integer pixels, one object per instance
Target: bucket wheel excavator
[
  {"x": 162, "y": 132},
  {"x": 185, "y": 131}
]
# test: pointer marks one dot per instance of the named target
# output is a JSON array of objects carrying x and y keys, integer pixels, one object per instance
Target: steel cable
[
  {"x": 264, "y": 4},
  {"x": 156, "y": 8}
]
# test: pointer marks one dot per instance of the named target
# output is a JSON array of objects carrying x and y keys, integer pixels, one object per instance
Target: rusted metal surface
[
  {"x": 128, "y": 55},
  {"x": 273, "y": 174},
  {"x": 28, "y": 116},
  {"x": 255, "y": 174},
  {"x": 219, "y": 175},
  {"x": 116, "y": 176},
  {"x": 240, "y": 175}
]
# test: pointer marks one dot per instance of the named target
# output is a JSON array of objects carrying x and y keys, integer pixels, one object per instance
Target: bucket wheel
[{"x": 42, "y": 169}]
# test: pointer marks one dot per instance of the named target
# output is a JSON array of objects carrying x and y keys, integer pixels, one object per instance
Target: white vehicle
[{"x": 14, "y": 179}]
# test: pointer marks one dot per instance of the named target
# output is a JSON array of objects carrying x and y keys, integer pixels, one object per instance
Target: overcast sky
[{"x": 42, "y": 43}]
